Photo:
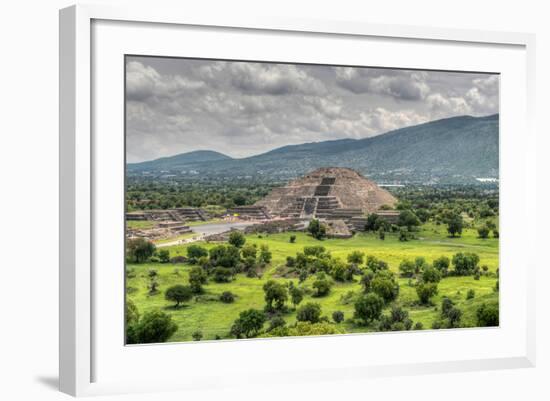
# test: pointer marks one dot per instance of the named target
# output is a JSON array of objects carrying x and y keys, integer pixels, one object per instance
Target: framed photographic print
[{"x": 243, "y": 194}]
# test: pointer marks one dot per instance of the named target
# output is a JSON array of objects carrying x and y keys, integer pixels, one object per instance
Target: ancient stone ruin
[
  {"x": 250, "y": 212},
  {"x": 178, "y": 214},
  {"x": 329, "y": 193}
]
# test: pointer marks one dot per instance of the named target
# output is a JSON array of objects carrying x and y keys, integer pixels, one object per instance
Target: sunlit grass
[{"x": 215, "y": 318}]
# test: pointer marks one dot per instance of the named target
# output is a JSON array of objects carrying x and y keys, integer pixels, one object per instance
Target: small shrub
[
  {"x": 237, "y": 239},
  {"x": 454, "y": 315},
  {"x": 310, "y": 312},
  {"x": 197, "y": 335},
  {"x": 483, "y": 232},
  {"x": 442, "y": 264},
  {"x": 407, "y": 268},
  {"x": 276, "y": 322},
  {"x": 227, "y": 297},
  {"x": 487, "y": 315},
  {"x": 322, "y": 285},
  {"x": 292, "y": 239},
  {"x": 223, "y": 275},
  {"x": 195, "y": 252},
  {"x": 368, "y": 307},
  {"x": 248, "y": 324},
  {"x": 316, "y": 229},
  {"x": 425, "y": 291},
  {"x": 164, "y": 256},
  {"x": 338, "y": 316},
  {"x": 470, "y": 294},
  {"x": 179, "y": 293},
  {"x": 296, "y": 295},
  {"x": 418, "y": 326},
  {"x": 154, "y": 327}
]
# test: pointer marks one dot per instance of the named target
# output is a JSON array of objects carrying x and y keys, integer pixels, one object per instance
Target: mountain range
[{"x": 456, "y": 150}]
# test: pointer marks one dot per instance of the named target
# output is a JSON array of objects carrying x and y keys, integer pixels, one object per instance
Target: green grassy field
[{"x": 215, "y": 318}]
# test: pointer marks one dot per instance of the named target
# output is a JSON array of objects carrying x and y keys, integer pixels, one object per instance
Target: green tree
[
  {"x": 446, "y": 305},
  {"x": 290, "y": 261},
  {"x": 316, "y": 251},
  {"x": 316, "y": 229},
  {"x": 366, "y": 280},
  {"x": 340, "y": 271},
  {"x": 321, "y": 285},
  {"x": 368, "y": 307},
  {"x": 249, "y": 251},
  {"x": 381, "y": 233},
  {"x": 154, "y": 327},
  {"x": 197, "y": 277},
  {"x": 275, "y": 295},
  {"x": 276, "y": 322},
  {"x": 425, "y": 291},
  {"x": 487, "y": 315},
  {"x": 431, "y": 275},
  {"x": 384, "y": 285},
  {"x": 455, "y": 225},
  {"x": 179, "y": 293},
  {"x": 292, "y": 239},
  {"x": 222, "y": 274},
  {"x": 296, "y": 295},
  {"x": 197, "y": 335},
  {"x": 310, "y": 312},
  {"x": 374, "y": 222},
  {"x": 236, "y": 238},
  {"x": 307, "y": 329},
  {"x": 248, "y": 324},
  {"x": 465, "y": 263},
  {"x": 227, "y": 297},
  {"x": 265, "y": 254},
  {"x": 423, "y": 215},
  {"x": 442, "y": 264},
  {"x": 195, "y": 252},
  {"x": 454, "y": 316},
  {"x": 407, "y": 268},
  {"x": 375, "y": 264},
  {"x": 224, "y": 256},
  {"x": 132, "y": 313},
  {"x": 164, "y": 255},
  {"x": 239, "y": 200},
  {"x": 483, "y": 232},
  {"x": 356, "y": 257},
  {"x": 139, "y": 250},
  {"x": 338, "y": 316},
  {"x": 408, "y": 219}
]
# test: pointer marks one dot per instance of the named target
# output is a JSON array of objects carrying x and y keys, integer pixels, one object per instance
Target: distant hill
[
  {"x": 452, "y": 150},
  {"x": 178, "y": 162}
]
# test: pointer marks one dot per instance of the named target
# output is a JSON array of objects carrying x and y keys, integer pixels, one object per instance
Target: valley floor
[{"x": 214, "y": 318}]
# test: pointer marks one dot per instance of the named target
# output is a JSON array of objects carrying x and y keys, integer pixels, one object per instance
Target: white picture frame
[{"x": 84, "y": 349}]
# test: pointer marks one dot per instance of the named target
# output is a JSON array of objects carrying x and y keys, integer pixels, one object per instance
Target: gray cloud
[
  {"x": 405, "y": 85},
  {"x": 241, "y": 108}
]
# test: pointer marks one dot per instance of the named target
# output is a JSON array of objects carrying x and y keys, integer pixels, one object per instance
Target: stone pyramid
[{"x": 328, "y": 192}]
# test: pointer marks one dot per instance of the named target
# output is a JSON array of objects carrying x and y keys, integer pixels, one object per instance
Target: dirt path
[{"x": 205, "y": 230}]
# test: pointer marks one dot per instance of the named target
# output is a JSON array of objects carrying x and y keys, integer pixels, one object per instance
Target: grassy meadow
[{"x": 214, "y": 318}]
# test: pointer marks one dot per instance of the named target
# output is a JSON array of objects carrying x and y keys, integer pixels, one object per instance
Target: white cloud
[{"x": 240, "y": 108}]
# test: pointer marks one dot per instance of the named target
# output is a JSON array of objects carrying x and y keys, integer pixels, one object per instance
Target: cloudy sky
[{"x": 241, "y": 109}]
